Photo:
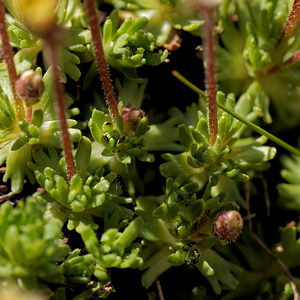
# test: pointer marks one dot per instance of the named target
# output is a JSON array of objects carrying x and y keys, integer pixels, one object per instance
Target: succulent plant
[{"x": 143, "y": 179}]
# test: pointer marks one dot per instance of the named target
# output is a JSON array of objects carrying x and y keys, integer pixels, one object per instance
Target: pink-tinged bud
[
  {"x": 29, "y": 85},
  {"x": 132, "y": 118},
  {"x": 229, "y": 225}
]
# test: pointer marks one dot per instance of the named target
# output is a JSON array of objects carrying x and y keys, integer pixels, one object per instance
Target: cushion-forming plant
[{"x": 80, "y": 163}]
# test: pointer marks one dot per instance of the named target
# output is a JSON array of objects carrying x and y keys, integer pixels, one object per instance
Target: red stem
[
  {"x": 8, "y": 57},
  {"x": 100, "y": 59},
  {"x": 210, "y": 82},
  {"x": 293, "y": 21},
  {"x": 66, "y": 142}
]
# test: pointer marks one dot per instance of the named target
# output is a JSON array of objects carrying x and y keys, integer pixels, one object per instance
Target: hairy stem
[
  {"x": 8, "y": 57},
  {"x": 29, "y": 113},
  {"x": 210, "y": 82},
  {"x": 293, "y": 22},
  {"x": 100, "y": 59},
  {"x": 251, "y": 125},
  {"x": 66, "y": 142}
]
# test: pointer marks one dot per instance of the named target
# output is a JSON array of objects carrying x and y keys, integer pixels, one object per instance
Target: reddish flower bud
[
  {"x": 29, "y": 85},
  {"x": 229, "y": 225},
  {"x": 132, "y": 118}
]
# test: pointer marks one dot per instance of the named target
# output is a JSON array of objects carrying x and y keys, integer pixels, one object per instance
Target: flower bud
[
  {"x": 132, "y": 118},
  {"x": 229, "y": 225},
  {"x": 29, "y": 85}
]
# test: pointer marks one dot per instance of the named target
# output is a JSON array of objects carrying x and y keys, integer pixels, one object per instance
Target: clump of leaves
[
  {"x": 122, "y": 143},
  {"x": 31, "y": 245},
  {"x": 188, "y": 214},
  {"x": 84, "y": 192},
  {"x": 125, "y": 146},
  {"x": 88, "y": 197},
  {"x": 180, "y": 230},
  {"x": 164, "y": 16},
  {"x": 228, "y": 158},
  {"x": 130, "y": 46},
  {"x": 262, "y": 58},
  {"x": 194, "y": 218}
]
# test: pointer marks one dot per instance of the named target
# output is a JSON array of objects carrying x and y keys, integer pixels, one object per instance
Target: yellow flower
[{"x": 39, "y": 15}]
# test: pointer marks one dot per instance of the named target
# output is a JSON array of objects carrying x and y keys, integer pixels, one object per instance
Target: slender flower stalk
[
  {"x": 210, "y": 81},
  {"x": 59, "y": 94},
  {"x": 100, "y": 59},
  {"x": 293, "y": 22},
  {"x": 8, "y": 57},
  {"x": 28, "y": 113}
]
